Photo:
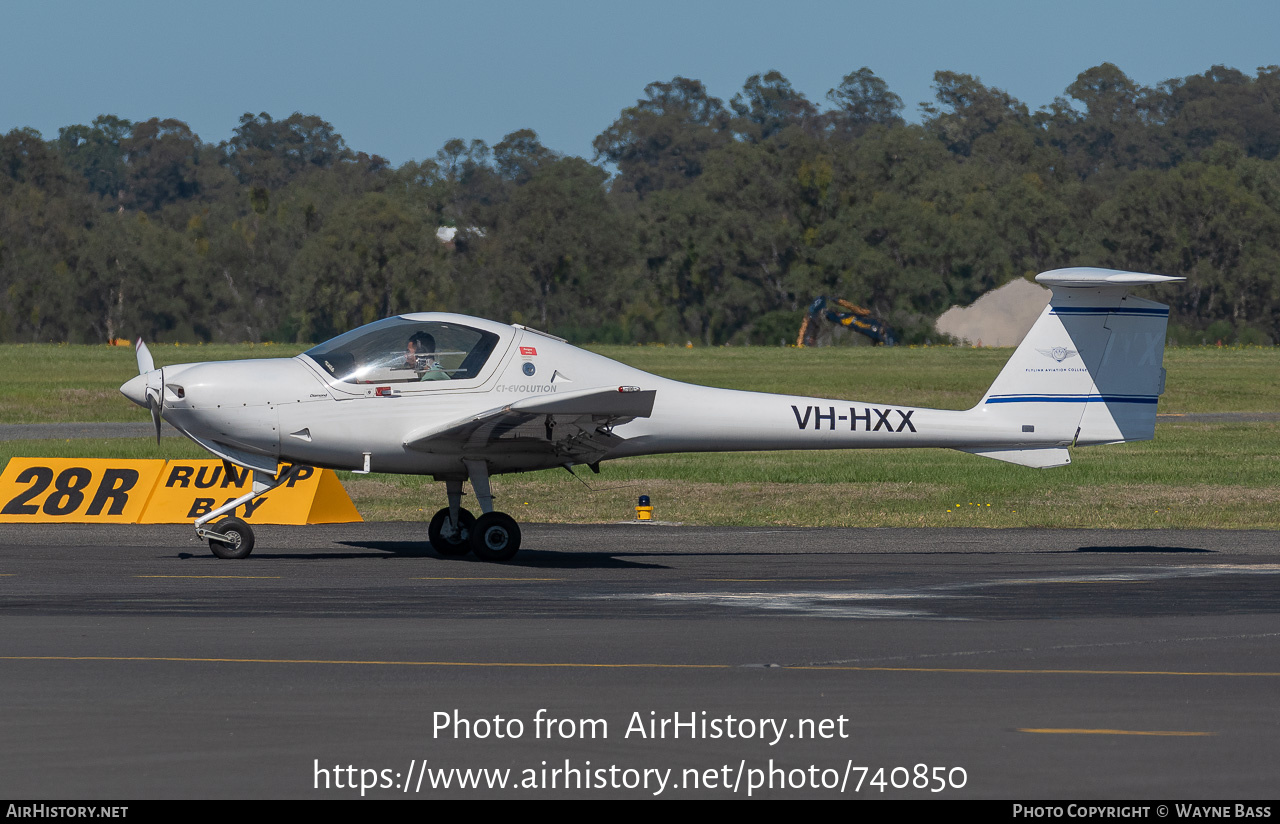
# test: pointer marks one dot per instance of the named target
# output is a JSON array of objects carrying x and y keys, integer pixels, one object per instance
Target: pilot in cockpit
[{"x": 420, "y": 356}]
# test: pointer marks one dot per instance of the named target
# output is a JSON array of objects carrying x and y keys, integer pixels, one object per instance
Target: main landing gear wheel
[
  {"x": 457, "y": 543},
  {"x": 495, "y": 537},
  {"x": 241, "y": 543}
]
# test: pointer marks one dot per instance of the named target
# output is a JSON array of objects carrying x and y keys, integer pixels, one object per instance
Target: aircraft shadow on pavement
[
  {"x": 304, "y": 555},
  {"x": 1149, "y": 549},
  {"x": 529, "y": 558}
]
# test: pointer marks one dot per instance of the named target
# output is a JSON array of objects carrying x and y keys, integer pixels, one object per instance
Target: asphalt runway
[{"x": 785, "y": 663}]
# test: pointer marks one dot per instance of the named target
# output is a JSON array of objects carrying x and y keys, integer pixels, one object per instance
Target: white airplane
[{"x": 461, "y": 398}]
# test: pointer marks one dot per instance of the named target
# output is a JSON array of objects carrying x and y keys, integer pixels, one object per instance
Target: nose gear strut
[{"x": 233, "y": 538}]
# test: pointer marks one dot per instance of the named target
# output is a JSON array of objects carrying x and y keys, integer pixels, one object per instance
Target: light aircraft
[{"x": 461, "y": 398}]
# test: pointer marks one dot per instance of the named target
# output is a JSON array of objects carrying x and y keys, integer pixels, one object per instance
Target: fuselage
[{"x": 324, "y": 408}]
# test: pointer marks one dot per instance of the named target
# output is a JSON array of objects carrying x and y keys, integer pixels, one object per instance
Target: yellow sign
[
  {"x": 188, "y": 489},
  {"x": 53, "y": 490},
  {"x": 76, "y": 490}
]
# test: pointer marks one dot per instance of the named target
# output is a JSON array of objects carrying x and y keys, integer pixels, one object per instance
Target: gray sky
[{"x": 400, "y": 78}]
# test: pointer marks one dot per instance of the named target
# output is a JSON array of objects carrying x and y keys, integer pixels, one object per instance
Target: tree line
[{"x": 696, "y": 219}]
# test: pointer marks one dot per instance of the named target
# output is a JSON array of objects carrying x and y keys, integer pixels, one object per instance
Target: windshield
[{"x": 397, "y": 350}]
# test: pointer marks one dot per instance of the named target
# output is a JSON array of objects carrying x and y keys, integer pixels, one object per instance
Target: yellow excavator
[{"x": 855, "y": 317}]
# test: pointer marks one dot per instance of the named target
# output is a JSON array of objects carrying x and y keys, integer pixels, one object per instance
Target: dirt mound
[{"x": 1001, "y": 317}]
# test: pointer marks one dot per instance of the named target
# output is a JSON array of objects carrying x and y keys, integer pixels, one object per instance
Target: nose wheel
[{"x": 236, "y": 541}]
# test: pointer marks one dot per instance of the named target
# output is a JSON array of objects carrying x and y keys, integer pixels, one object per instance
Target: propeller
[{"x": 155, "y": 384}]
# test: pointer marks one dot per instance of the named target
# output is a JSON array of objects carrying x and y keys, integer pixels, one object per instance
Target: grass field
[{"x": 1195, "y": 474}]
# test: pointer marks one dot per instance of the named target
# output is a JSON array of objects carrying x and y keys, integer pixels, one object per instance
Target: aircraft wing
[{"x": 577, "y": 425}]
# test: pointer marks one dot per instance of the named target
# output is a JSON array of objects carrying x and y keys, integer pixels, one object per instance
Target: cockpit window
[{"x": 397, "y": 350}]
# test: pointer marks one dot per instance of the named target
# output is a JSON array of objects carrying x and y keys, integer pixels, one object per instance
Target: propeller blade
[
  {"x": 145, "y": 363},
  {"x": 155, "y": 416},
  {"x": 155, "y": 398}
]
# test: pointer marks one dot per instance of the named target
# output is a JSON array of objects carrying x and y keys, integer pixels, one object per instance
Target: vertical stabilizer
[{"x": 1091, "y": 369}]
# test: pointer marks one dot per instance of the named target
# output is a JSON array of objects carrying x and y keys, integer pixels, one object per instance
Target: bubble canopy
[{"x": 402, "y": 350}]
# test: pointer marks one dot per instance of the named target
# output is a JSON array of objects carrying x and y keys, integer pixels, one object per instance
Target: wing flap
[{"x": 614, "y": 401}]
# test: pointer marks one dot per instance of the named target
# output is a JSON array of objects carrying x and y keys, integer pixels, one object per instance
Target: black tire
[
  {"x": 241, "y": 543},
  {"x": 496, "y": 537},
  {"x": 458, "y": 544}
]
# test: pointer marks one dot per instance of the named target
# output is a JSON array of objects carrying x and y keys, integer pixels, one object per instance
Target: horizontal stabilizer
[
  {"x": 1088, "y": 276},
  {"x": 1041, "y": 458}
]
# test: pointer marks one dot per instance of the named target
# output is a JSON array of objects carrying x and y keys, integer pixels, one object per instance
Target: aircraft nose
[{"x": 135, "y": 389}]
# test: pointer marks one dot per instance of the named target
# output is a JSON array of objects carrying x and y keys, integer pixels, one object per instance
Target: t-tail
[{"x": 1089, "y": 372}]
